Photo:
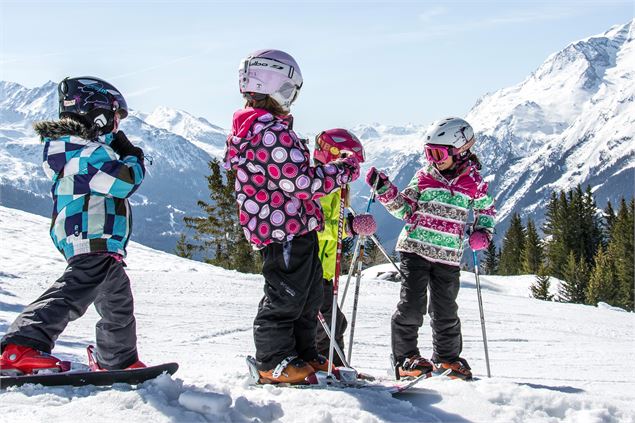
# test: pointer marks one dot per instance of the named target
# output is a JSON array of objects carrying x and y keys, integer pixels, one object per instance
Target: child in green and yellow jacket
[{"x": 331, "y": 145}]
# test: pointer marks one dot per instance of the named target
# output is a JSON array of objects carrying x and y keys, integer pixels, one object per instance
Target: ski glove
[
  {"x": 373, "y": 175},
  {"x": 122, "y": 146},
  {"x": 351, "y": 164},
  {"x": 479, "y": 240}
]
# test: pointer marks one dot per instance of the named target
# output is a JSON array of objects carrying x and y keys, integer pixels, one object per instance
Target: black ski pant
[
  {"x": 323, "y": 341},
  {"x": 88, "y": 279},
  {"x": 286, "y": 321},
  {"x": 443, "y": 282}
]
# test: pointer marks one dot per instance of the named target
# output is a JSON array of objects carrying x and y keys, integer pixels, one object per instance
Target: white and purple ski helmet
[{"x": 270, "y": 72}]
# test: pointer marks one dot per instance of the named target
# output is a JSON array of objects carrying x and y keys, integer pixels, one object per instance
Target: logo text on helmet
[{"x": 256, "y": 62}]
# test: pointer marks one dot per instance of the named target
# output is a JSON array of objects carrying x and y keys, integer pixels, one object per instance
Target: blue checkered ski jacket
[{"x": 91, "y": 186}]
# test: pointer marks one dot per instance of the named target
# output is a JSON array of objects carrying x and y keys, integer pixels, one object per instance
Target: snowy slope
[{"x": 550, "y": 361}]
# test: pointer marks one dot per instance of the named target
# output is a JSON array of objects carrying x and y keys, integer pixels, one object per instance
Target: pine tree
[
  {"x": 621, "y": 251},
  {"x": 603, "y": 284},
  {"x": 218, "y": 237},
  {"x": 513, "y": 244},
  {"x": 348, "y": 245},
  {"x": 183, "y": 248},
  {"x": 540, "y": 288},
  {"x": 373, "y": 256},
  {"x": 554, "y": 229},
  {"x": 576, "y": 279},
  {"x": 609, "y": 219},
  {"x": 591, "y": 226},
  {"x": 532, "y": 250},
  {"x": 490, "y": 264}
]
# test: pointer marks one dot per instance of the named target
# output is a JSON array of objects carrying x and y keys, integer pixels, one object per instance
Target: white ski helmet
[
  {"x": 451, "y": 131},
  {"x": 270, "y": 72}
]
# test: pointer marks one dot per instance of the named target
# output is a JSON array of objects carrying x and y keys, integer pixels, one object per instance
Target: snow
[{"x": 550, "y": 361}]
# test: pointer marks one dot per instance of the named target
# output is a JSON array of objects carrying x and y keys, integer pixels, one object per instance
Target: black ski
[{"x": 98, "y": 378}]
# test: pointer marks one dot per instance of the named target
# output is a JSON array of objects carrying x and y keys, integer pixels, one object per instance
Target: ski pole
[
  {"x": 480, "y": 306},
  {"x": 336, "y": 278},
  {"x": 381, "y": 248},
  {"x": 360, "y": 262},
  {"x": 339, "y": 351},
  {"x": 356, "y": 255}
]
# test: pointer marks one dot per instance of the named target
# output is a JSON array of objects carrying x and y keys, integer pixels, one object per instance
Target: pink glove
[
  {"x": 352, "y": 165},
  {"x": 478, "y": 240},
  {"x": 364, "y": 224},
  {"x": 373, "y": 174}
]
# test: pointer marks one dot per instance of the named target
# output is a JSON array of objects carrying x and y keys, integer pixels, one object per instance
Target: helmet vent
[{"x": 441, "y": 134}]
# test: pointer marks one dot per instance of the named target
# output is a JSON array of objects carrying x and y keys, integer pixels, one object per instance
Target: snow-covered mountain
[
  {"x": 201, "y": 316},
  {"x": 197, "y": 130},
  {"x": 570, "y": 122}
]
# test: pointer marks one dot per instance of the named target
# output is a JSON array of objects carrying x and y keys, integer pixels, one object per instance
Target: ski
[
  {"x": 321, "y": 380},
  {"x": 96, "y": 378}
]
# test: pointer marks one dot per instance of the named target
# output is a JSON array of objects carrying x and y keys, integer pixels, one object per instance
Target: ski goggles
[{"x": 439, "y": 153}]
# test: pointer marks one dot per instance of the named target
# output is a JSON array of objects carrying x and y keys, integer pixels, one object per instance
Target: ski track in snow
[{"x": 550, "y": 362}]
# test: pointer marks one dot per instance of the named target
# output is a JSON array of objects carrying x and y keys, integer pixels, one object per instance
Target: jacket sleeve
[
  {"x": 116, "y": 178},
  {"x": 484, "y": 209},
  {"x": 331, "y": 210},
  {"x": 402, "y": 204},
  {"x": 288, "y": 168}
]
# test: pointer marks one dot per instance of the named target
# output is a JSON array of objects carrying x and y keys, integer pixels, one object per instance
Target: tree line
[{"x": 589, "y": 250}]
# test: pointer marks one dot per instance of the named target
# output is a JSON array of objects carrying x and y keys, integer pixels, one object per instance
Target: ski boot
[
  {"x": 291, "y": 370},
  {"x": 95, "y": 367},
  {"x": 19, "y": 360},
  {"x": 459, "y": 369},
  {"x": 413, "y": 367},
  {"x": 320, "y": 363}
]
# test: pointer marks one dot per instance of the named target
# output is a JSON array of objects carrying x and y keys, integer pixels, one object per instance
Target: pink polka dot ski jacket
[{"x": 276, "y": 187}]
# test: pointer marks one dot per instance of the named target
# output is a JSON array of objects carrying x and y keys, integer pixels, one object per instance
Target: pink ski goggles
[{"x": 436, "y": 153}]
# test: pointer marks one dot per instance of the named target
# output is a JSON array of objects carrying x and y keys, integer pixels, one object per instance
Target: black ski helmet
[{"x": 91, "y": 100}]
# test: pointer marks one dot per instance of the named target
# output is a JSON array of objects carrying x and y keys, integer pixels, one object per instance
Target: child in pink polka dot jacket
[{"x": 277, "y": 191}]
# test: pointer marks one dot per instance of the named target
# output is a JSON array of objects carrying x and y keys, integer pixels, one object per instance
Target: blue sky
[{"x": 389, "y": 62}]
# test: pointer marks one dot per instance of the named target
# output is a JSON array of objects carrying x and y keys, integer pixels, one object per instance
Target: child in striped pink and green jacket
[{"x": 435, "y": 206}]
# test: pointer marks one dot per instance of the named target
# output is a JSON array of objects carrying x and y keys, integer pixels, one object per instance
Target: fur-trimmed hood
[{"x": 54, "y": 129}]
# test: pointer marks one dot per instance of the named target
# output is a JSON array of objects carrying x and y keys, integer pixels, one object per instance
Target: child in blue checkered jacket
[{"x": 94, "y": 169}]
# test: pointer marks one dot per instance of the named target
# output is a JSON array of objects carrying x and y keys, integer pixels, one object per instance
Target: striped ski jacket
[{"x": 436, "y": 211}]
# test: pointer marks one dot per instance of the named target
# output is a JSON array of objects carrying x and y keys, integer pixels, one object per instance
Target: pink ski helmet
[
  {"x": 270, "y": 72},
  {"x": 331, "y": 143}
]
